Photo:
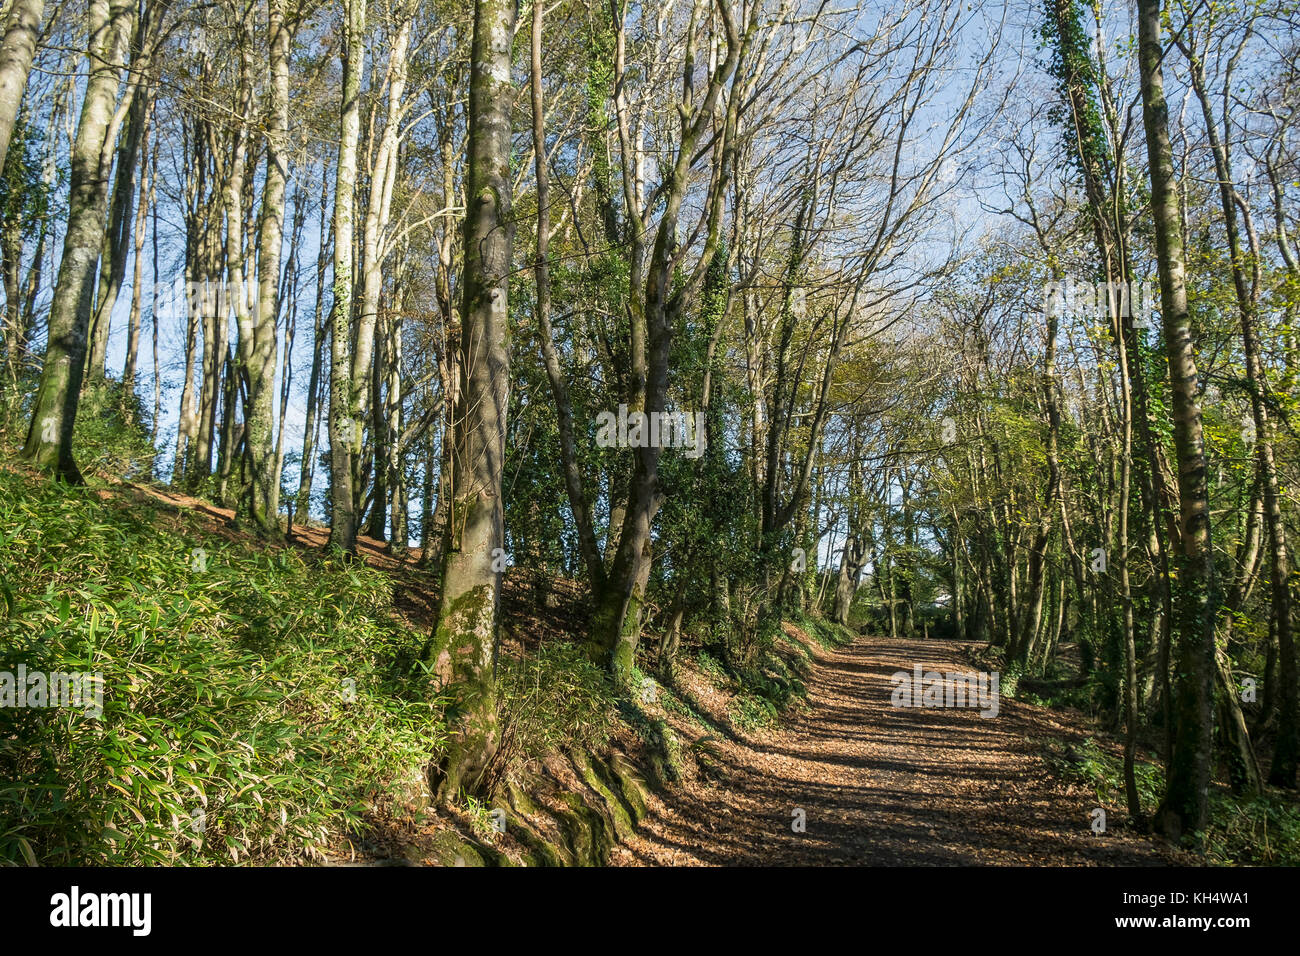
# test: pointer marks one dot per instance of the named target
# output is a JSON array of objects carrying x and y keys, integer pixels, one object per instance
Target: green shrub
[
  {"x": 553, "y": 699},
  {"x": 827, "y": 634},
  {"x": 713, "y": 669},
  {"x": 752, "y": 712},
  {"x": 111, "y": 434},
  {"x": 1092, "y": 765},
  {"x": 1256, "y": 831}
]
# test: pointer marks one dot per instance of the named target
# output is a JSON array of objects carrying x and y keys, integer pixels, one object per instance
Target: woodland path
[{"x": 882, "y": 785}]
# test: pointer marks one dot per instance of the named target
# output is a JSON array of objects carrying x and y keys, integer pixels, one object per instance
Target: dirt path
[{"x": 882, "y": 785}]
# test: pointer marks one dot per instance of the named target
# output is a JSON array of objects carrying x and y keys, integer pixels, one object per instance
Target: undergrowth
[
  {"x": 1259, "y": 830},
  {"x": 253, "y": 708},
  {"x": 553, "y": 699},
  {"x": 260, "y": 704},
  {"x": 775, "y": 684}
]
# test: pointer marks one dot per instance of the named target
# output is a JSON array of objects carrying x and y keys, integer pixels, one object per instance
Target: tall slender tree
[
  {"x": 54, "y": 411},
  {"x": 1185, "y": 807},
  {"x": 344, "y": 430},
  {"x": 464, "y": 647}
]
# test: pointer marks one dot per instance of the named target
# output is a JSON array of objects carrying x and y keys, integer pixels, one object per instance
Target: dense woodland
[{"x": 961, "y": 321}]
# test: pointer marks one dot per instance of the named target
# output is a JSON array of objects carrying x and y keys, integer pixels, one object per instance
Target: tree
[
  {"x": 54, "y": 411},
  {"x": 464, "y": 647},
  {"x": 17, "y": 49},
  {"x": 258, "y": 341},
  {"x": 1185, "y": 807},
  {"x": 344, "y": 430}
]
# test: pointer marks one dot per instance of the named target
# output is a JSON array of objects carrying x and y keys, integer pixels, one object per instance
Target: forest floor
[
  {"x": 884, "y": 785},
  {"x": 877, "y": 784}
]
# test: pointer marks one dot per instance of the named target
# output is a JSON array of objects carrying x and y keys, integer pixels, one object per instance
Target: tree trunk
[
  {"x": 321, "y": 323},
  {"x": 654, "y": 308},
  {"x": 54, "y": 410},
  {"x": 21, "y": 31},
  {"x": 1185, "y": 807},
  {"x": 259, "y": 340},
  {"x": 395, "y": 462},
  {"x": 117, "y": 237},
  {"x": 147, "y": 191},
  {"x": 573, "y": 483},
  {"x": 368, "y": 372},
  {"x": 1286, "y": 753},
  {"x": 464, "y": 649},
  {"x": 344, "y": 430}
]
